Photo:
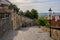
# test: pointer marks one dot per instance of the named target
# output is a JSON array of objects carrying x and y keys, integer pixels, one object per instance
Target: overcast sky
[{"x": 40, "y": 5}]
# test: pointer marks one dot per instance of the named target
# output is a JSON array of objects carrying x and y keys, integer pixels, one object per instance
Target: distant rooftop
[{"x": 5, "y": 2}]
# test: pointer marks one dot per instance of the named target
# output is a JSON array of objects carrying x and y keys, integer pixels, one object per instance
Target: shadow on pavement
[
  {"x": 9, "y": 35},
  {"x": 24, "y": 29},
  {"x": 27, "y": 28}
]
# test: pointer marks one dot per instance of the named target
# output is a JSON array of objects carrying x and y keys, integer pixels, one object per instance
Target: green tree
[
  {"x": 42, "y": 22},
  {"x": 28, "y": 14},
  {"x": 34, "y": 13},
  {"x": 21, "y": 12},
  {"x": 12, "y": 6}
]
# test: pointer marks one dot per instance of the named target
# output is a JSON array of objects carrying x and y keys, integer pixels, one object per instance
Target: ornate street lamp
[{"x": 50, "y": 12}]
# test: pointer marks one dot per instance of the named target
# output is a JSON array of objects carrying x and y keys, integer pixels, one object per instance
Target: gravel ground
[{"x": 29, "y": 33}]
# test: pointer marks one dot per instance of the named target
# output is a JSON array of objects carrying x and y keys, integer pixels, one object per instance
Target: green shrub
[{"x": 42, "y": 22}]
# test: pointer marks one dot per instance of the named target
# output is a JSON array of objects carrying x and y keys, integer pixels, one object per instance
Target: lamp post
[{"x": 50, "y": 16}]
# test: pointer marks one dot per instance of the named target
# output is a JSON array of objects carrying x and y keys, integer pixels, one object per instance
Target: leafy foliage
[
  {"x": 12, "y": 6},
  {"x": 21, "y": 12},
  {"x": 33, "y": 14},
  {"x": 28, "y": 14},
  {"x": 42, "y": 22}
]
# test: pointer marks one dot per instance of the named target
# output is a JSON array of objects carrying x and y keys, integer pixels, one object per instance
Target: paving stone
[{"x": 29, "y": 33}]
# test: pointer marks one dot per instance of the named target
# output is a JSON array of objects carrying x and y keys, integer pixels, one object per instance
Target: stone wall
[
  {"x": 19, "y": 20},
  {"x": 5, "y": 25},
  {"x": 27, "y": 21},
  {"x": 14, "y": 21},
  {"x": 55, "y": 32}
]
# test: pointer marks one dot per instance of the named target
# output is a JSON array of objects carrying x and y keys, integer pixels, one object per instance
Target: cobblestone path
[{"x": 29, "y": 33}]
